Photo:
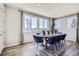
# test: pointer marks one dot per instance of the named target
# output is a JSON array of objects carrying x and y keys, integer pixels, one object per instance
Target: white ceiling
[{"x": 49, "y": 9}]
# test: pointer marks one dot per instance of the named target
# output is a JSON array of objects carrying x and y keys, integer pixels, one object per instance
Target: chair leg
[
  {"x": 37, "y": 49},
  {"x": 56, "y": 47},
  {"x": 62, "y": 43},
  {"x": 59, "y": 45},
  {"x": 33, "y": 44},
  {"x": 37, "y": 46},
  {"x": 65, "y": 42},
  {"x": 46, "y": 43},
  {"x": 52, "y": 49}
]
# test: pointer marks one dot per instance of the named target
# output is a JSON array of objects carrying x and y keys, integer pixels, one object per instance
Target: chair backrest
[
  {"x": 52, "y": 32},
  {"x": 52, "y": 40},
  {"x": 38, "y": 33},
  {"x": 37, "y": 39},
  {"x": 59, "y": 32},
  {"x": 43, "y": 32},
  {"x": 63, "y": 36},
  {"x": 58, "y": 39},
  {"x": 48, "y": 32}
]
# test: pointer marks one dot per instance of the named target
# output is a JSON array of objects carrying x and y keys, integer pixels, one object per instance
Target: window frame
[
  {"x": 37, "y": 25},
  {"x": 43, "y": 23},
  {"x": 58, "y": 24}
]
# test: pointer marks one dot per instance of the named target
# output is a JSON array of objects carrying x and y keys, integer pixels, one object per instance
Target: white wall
[
  {"x": 12, "y": 26},
  {"x": 28, "y": 36},
  {"x": 71, "y": 32},
  {"x": 12, "y": 17},
  {"x": 2, "y": 27}
]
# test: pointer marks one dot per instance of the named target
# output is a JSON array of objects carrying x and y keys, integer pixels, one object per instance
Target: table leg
[{"x": 45, "y": 43}]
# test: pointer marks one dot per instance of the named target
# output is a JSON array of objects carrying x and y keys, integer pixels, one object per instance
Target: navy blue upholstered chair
[
  {"x": 43, "y": 32},
  {"x": 58, "y": 40},
  {"x": 52, "y": 41},
  {"x": 38, "y": 33},
  {"x": 52, "y": 32},
  {"x": 59, "y": 32},
  {"x": 63, "y": 38},
  {"x": 37, "y": 40},
  {"x": 48, "y": 32}
]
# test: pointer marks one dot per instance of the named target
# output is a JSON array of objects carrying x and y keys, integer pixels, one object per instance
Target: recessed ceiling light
[{"x": 39, "y": 4}]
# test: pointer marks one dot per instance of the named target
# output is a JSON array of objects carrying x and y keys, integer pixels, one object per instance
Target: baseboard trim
[
  {"x": 17, "y": 45},
  {"x": 70, "y": 41}
]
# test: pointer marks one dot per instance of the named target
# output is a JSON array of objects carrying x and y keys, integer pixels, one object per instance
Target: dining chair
[
  {"x": 48, "y": 32},
  {"x": 43, "y": 32},
  {"x": 63, "y": 38},
  {"x": 58, "y": 41},
  {"x": 52, "y": 32},
  {"x": 55, "y": 31},
  {"x": 37, "y": 40},
  {"x": 59, "y": 32},
  {"x": 51, "y": 42},
  {"x": 38, "y": 33}
]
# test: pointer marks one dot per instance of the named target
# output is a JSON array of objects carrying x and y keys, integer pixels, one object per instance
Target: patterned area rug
[{"x": 41, "y": 51}]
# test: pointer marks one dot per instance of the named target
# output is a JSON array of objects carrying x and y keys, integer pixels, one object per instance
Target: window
[
  {"x": 57, "y": 24},
  {"x": 30, "y": 23},
  {"x": 27, "y": 23},
  {"x": 43, "y": 23},
  {"x": 33, "y": 22},
  {"x": 70, "y": 22},
  {"x": 40, "y": 23}
]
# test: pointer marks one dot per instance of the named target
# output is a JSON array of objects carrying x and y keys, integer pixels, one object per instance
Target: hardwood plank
[{"x": 70, "y": 49}]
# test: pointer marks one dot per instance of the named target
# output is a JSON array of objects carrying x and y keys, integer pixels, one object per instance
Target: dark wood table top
[{"x": 47, "y": 35}]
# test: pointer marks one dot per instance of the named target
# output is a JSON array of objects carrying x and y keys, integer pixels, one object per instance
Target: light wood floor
[{"x": 70, "y": 49}]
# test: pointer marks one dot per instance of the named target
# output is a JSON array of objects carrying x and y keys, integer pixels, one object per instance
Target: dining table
[{"x": 45, "y": 37}]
